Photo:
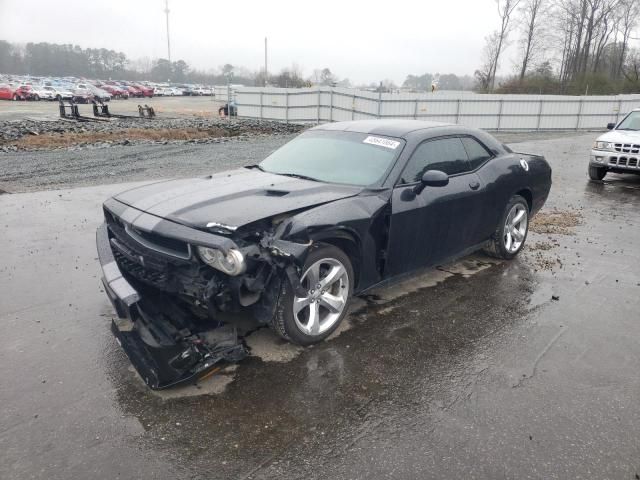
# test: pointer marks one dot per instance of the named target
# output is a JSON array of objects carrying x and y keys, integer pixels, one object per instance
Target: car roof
[{"x": 390, "y": 128}]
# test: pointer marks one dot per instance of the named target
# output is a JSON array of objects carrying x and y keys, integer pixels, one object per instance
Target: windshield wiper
[
  {"x": 294, "y": 175},
  {"x": 297, "y": 175}
]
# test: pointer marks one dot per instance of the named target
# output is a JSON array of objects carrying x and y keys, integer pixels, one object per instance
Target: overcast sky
[{"x": 363, "y": 41}]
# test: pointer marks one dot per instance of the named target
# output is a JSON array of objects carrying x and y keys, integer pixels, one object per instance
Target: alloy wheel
[
  {"x": 515, "y": 228},
  {"x": 327, "y": 285}
]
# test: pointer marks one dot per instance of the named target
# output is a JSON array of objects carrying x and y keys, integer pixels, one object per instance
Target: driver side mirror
[
  {"x": 432, "y": 178},
  {"x": 611, "y": 126}
]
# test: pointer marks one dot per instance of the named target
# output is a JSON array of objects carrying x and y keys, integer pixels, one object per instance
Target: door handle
[{"x": 474, "y": 185}]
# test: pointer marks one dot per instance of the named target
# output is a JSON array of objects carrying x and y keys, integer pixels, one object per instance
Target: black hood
[{"x": 233, "y": 198}]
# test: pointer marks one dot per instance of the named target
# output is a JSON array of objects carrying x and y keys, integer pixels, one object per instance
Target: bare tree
[
  {"x": 505, "y": 10},
  {"x": 484, "y": 74},
  {"x": 631, "y": 69},
  {"x": 589, "y": 27},
  {"x": 630, "y": 11},
  {"x": 532, "y": 24}
]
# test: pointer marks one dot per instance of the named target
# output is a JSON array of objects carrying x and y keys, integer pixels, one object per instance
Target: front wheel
[
  {"x": 511, "y": 232},
  {"x": 597, "y": 173},
  {"x": 327, "y": 283}
]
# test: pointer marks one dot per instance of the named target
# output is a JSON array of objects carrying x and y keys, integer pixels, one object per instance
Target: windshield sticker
[{"x": 382, "y": 142}]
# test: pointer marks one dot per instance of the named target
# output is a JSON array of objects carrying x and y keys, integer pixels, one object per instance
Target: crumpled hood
[
  {"x": 233, "y": 198},
  {"x": 621, "y": 136}
]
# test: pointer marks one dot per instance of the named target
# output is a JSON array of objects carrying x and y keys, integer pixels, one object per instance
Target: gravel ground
[
  {"x": 45, "y": 170},
  {"x": 99, "y": 164},
  {"x": 43, "y": 135}
]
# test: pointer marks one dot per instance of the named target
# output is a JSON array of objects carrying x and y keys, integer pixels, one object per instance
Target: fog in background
[{"x": 363, "y": 41}]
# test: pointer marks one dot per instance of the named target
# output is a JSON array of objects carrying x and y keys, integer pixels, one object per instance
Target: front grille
[
  {"x": 150, "y": 240},
  {"x": 153, "y": 241},
  {"x": 157, "y": 278},
  {"x": 627, "y": 147},
  {"x": 625, "y": 161}
]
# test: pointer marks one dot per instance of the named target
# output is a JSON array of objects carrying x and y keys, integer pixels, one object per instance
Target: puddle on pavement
[{"x": 268, "y": 347}]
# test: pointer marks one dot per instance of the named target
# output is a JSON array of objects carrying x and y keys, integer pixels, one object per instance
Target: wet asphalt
[{"x": 480, "y": 369}]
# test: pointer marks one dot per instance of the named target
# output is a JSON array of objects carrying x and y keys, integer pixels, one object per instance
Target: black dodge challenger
[{"x": 340, "y": 209}]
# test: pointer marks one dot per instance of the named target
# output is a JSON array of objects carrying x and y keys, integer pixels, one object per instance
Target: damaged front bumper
[{"x": 163, "y": 354}]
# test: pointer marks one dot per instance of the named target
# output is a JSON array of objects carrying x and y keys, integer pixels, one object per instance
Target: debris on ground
[
  {"x": 544, "y": 246},
  {"x": 559, "y": 222}
]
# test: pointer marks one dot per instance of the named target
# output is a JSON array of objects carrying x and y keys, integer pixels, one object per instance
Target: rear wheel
[
  {"x": 597, "y": 173},
  {"x": 511, "y": 232},
  {"x": 327, "y": 283}
]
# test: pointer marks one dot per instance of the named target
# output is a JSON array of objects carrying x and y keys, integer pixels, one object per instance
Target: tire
[
  {"x": 505, "y": 243},
  {"x": 597, "y": 173},
  {"x": 299, "y": 328}
]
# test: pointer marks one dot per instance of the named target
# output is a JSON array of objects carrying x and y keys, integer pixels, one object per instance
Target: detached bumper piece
[{"x": 165, "y": 343}]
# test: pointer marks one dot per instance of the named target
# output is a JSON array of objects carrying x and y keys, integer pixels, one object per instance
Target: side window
[
  {"x": 445, "y": 154},
  {"x": 477, "y": 153}
]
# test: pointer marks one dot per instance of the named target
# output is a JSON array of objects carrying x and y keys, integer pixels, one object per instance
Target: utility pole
[
  {"x": 265, "y": 61},
  {"x": 166, "y": 11}
]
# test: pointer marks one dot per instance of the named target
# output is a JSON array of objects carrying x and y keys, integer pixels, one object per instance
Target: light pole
[
  {"x": 229, "y": 75},
  {"x": 166, "y": 11},
  {"x": 265, "y": 61}
]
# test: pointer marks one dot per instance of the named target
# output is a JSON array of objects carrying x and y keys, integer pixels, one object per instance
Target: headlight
[
  {"x": 604, "y": 146},
  {"x": 231, "y": 264}
]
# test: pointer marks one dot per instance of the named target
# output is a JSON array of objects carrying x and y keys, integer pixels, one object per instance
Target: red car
[
  {"x": 7, "y": 92},
  {"x": 114, "y": 90},
  {"x": 24, "y": 92},
  {"x": 146, "y": 91},
  {"x": 134, "y": 91}
]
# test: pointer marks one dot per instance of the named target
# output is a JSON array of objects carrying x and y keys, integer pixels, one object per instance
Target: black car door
[
  {"x": 439, "y": 222},
  {"x": 479, "y": 157}
]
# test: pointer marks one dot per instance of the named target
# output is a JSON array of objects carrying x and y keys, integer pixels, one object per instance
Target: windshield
[
  {"x": 631, "y": 122},
  {"x": 336, "y": 157}
]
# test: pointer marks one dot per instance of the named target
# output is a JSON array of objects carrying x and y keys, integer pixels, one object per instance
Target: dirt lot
[
  {"x": 480, "y": 369},
  {"x": 165, "y": 107},
  {"x": 101, "y": 162}
]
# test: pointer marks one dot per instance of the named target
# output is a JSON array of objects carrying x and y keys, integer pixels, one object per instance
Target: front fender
[{"x": 350, "y": 224}]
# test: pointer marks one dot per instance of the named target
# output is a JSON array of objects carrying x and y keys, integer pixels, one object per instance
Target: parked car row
[{"x": 84, "y": 91}]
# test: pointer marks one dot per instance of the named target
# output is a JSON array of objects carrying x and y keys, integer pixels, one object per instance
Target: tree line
[
  {"x": 50, "y": 59},
  {"x": 564, "y": 46}
]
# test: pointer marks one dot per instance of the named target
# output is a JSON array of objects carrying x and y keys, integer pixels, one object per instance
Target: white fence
[{"x": 490, "y": 112}]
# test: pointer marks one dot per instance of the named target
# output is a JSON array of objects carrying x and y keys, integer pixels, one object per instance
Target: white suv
[{"x": 618, "y": 150}]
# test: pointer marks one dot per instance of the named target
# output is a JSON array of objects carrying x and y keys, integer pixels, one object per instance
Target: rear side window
[
  {"x": 476, "y": 152},
  {"x": 445, "y": 154}
]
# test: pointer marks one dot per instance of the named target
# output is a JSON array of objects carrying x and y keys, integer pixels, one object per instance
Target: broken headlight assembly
[{"x": 232, "y": 263}]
